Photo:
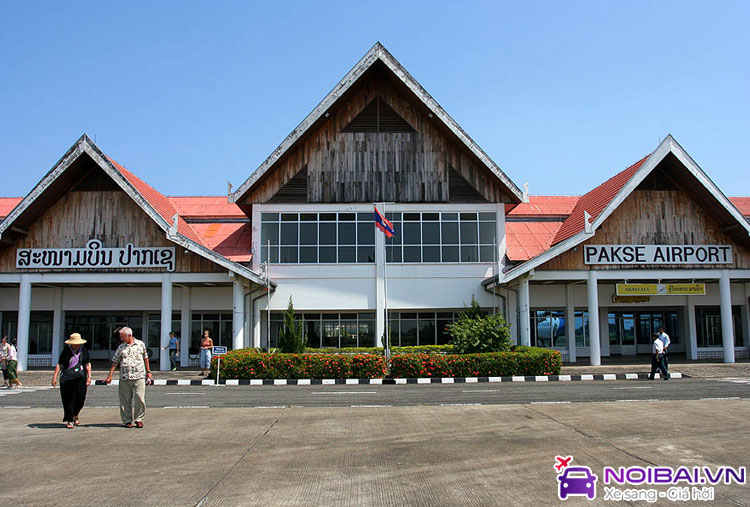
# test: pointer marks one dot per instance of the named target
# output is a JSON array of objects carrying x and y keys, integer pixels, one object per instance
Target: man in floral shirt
[{"x": 132, "y": 357}]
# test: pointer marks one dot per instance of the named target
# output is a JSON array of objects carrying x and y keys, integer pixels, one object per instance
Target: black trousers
[
  {"x": 657, "y": 363},
  {"x": 73, "y": 394}
]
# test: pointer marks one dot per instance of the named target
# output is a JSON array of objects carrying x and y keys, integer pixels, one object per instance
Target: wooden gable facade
[
  {"x": 93, "y": 207},
  {"x": 378, "y": 143},
  {"x": 663, "y": 210}
]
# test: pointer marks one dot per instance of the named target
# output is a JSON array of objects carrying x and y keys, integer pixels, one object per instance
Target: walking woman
[
  {"x": 13, "y": 365},
  {"x": 207, "y": 344},
  {"x": 74, "y": 380},
  {"x": 4, "y": 353}
]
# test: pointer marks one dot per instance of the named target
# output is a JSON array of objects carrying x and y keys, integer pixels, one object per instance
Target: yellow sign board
[{"x": 661, "y": 289}]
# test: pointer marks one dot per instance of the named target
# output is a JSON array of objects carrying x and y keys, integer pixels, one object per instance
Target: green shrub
[
  {"x": 474, "y": 332},
  {"x": 425, "y": 349},
  {"x": 291, "y": 340},
  {"x": 248, "y": 364},
  {"x": 533, "y": 361}
]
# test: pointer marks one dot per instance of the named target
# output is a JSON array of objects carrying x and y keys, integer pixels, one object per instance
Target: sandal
[
  {"x": 76, "y": 421},
  {"x": 69, "y": 425},
  {"x": 128, "y": 425},
  {"x": 139, "y": 424}
]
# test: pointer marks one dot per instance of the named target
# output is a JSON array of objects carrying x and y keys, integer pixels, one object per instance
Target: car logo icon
[{"x": 577, "y": 481}]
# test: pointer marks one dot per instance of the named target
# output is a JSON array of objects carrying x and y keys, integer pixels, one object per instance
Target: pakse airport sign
[{"x": 657, "y": 254}]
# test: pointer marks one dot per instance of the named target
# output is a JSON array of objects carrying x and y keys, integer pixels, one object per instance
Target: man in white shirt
[
  {"x": 664, "y": 337},
  {"x": 657, "y": 358}
]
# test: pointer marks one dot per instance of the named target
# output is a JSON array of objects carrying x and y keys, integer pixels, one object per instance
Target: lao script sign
[{"x": 94, "y": 256}]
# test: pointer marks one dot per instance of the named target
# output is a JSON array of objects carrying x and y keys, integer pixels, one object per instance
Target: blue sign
[{"x": 217, "y": 351}]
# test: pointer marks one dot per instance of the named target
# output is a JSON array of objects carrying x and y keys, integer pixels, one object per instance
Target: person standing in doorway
[
  {"x": 13, "y": 365},
  {"x": 174, "y": 349},
  {"x": 4, "y": 353},
  {"x": 132, "y": 357},
  {"x": 657, "y": 358},
  {"x": 207, "y": 344},
  {"x": 664, "y": 337},
  {"x": 76, "y": 377}
]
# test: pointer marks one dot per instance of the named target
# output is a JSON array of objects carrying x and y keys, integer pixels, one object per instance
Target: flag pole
[{"x": 387, "y": 339}]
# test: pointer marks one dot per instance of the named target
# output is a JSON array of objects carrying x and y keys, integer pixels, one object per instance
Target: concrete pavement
[{"x": 417, "y": 456}]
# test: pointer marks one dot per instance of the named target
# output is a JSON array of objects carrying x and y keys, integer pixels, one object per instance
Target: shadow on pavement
[{"x": 50, "y": 426}]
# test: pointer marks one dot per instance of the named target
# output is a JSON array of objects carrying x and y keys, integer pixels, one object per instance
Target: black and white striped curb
[{"x": 403, "y": 381}]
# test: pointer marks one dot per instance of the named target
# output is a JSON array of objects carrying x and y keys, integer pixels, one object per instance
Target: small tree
[
  {"x": 291, "y": 340},
  {"x": 475, "y": 332}
]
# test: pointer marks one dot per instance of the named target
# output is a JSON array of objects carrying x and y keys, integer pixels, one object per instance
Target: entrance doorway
[
  {"x": 630, "y": 331},
  {"x": 98, "y": 329}
]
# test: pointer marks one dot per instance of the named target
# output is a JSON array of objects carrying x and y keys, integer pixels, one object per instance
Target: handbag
[{"x": 74, "y": 373}]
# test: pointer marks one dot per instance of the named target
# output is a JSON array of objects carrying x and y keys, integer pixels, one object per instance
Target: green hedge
[
  {"x": 423, "y": 349},
  {"x": 249, "y": 364},
  {"x": 532, "y": 361}
]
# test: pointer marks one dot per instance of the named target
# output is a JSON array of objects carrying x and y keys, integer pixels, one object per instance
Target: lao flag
[{"x": 383, "y": 224}]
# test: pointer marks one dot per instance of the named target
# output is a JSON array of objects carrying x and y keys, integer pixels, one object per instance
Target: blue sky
[{"x": 190, "y": 95}]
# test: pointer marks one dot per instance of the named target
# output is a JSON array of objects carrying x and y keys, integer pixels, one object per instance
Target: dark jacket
[{"x": 67, "y": 353}]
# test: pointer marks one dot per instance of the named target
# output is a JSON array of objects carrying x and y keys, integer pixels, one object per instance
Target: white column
[
  {"x": 57, "y": 325},
  {"x": 727, "y": 329},
  {"x": 166, "y": 319},
  {"x": 24, "y": 321},
  {"x": 256, "y": 322},
  {"x": 524, "y": 322},
  {"x": 593, "y": 311},
  {"x": 185, "y": 319},
  {"x": 380, "y": 288},
  {"x": 692, "y": 330},
  {"x": 238, "y": 315},
  {"x": 570, "y": 321}
]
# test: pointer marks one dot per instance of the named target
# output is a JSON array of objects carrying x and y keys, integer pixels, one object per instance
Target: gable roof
[
  {"x": 614, "y": 191},
  {"x": 207, "y": 207},
  {"x": 377, "y": 53},
  {"x": 153, "y": 203},
  {"x": 543, "y": 205}
]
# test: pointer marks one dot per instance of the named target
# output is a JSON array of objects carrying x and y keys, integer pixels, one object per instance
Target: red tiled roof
[
  {"x": 206, "y": 207},
  {"x": 742, "y": 204},
  {"x": 545, "y": 205},
  {"x": 595, "y": 201},
  {"x": 7, "y": 204},
  {"x": 159, "y": 202},
  {"x": 232, "y": 240},
  {"x": 525, "y": 240}
]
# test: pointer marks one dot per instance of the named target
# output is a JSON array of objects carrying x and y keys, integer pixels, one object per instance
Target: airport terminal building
[{"x": 92, "y": 247}]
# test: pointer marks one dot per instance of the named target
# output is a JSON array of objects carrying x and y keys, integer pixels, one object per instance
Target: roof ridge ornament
[
  {"x": 173, "y": 227},
  {"x": 587, "y": 227}
]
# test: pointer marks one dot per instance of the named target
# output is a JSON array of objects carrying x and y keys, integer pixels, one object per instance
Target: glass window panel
[
  {"x": 627, "y": 328},
  {"x": 289, "y": 254},
  {"x": 366, "y": 217},
  {"x": 366, "y": 332},
  {"x": 449, "y": 216},
  {"x": 289, "y": 232},
  {"x": 408, "y": 315},
  {"x": 582, "y": 331},
  {"x": 449, "y": 233},
  {"x": 393, "y": 254},
  {"x": 468, "y": 216},
  {"x": 308, "y": 217},
  {"x": 487, "y": 233},
  {"x": 468, "y": 233},
  {"x": 430, "y": 233},
  {"x": 469, "y": 254},
  {"x": 347, "y": 254},
  {"x": 366, "y": 233},
  {"x": 347, "y": 217},
  {"x": 289, "y": 217},
  {"x": 312, "y": 332},
  {"x": 349, "y": 333},
  {"x": 411, "y": 217},
  {"x": 430, "y": 253},
  {"x": 487, "y": 217},
  {"x": 308, "y": 234},
  {"x": 433, "y": 217},
  {"x": 427, "y": 330},
  {"x": 308, "y": 254},
  {"x": 269, "y": 255},
  {"x": 412, "y": 254},
  {"x": 443, "y": 331},
  {"x": 328, "y": 217},
  {"x": 327, "y": 234},
  {"x": 327, "y": 254},
  {"x": 558, "y": 328},
  {"x": 394, "y": 329},
  {"x": 269, "y": 217},
  {"x": 269, "y": 233},
  {"x": 408, "y": 332},
  {"x": 366, "y": 316},
  {"x": 392, "y": 216},
  {"x": 397, "y": 237},
  {"x": 412, "y": 233},
  {"x": 450, "y": 254},
  {"x": 330, "y": 336},
  {"x": 347, "y": 234},
  {"x": 487, "y": 253},
  {"x": 366, "y": 254}
]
